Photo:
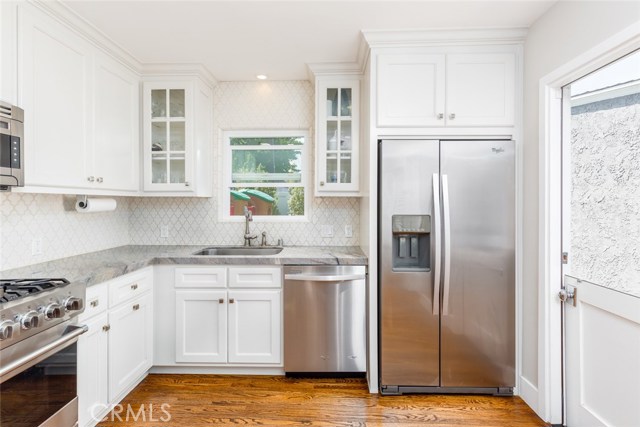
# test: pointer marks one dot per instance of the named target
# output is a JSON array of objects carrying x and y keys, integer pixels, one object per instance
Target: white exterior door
[
  {"x": 602, "y": 356},
  {"x": 201, "y": 326},
  {"x": 255, "y": 327}
]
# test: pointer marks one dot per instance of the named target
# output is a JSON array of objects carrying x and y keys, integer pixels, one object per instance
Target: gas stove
[
  {"x": 30, "y": 306},
  {"x": 39, "y": 351}
]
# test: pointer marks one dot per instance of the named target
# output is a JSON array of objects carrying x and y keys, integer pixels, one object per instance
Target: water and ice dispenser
[{"x": 411, "y": 242}]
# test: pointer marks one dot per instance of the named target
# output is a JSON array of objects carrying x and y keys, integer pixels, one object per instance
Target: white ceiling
[{"x": 236, "y": 40}]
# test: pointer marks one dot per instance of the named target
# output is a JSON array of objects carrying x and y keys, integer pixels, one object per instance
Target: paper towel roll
[{"x": 96, "y": 205}]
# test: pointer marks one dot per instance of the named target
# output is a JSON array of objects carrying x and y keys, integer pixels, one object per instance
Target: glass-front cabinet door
[
  {"x": 337, "y": 167},
  {"x": 168, "y": 123}
]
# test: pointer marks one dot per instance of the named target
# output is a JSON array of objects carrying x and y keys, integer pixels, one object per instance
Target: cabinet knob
[
  {"x": 231, "y": 300},
  {"x": 221, "y": 301},
  {"x": 136, "y": 307},
  {"x": 440, "y": 116},
  {"x": 452, "y": 116},
  {"x": 187, "y": 184},
  {"x": 134, "y": 286},
  {"x": 99, "y": 179},
  {"x": 94, "y": 303},
  {"x": 106, "y": 328},
  {"x": 91, "y": 178},
  {"x": 321, "y": 183}
]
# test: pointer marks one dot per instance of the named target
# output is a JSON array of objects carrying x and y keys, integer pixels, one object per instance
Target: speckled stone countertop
[{"x": 98, "y": 267}]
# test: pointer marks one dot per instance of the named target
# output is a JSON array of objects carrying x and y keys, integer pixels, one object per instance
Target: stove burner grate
[{"x": 14, "y": 289}]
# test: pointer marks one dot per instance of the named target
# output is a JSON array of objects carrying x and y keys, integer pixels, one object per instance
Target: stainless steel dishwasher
[{"x": 325, "y": 319}]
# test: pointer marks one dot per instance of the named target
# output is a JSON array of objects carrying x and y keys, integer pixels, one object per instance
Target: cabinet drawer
[
  {"x": 96, "y": 301},
  {"x": 255, "y": 277},
  {"x": 129, "y": 286},
  {"x": 201, "y": 277}
]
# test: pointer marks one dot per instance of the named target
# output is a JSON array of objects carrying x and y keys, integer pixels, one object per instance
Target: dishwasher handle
[{"x": 324, "y": 277}]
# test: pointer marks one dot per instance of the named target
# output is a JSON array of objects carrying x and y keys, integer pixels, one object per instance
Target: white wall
[
  {"x": 63, "y": 231},
  {"x": 567, "y": 30}
]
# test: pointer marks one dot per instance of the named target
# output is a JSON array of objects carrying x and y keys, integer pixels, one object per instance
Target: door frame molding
[{"x": 550, "y": 393}]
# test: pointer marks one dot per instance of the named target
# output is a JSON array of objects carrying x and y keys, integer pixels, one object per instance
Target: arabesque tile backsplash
[{"x": 237, "y": 106}]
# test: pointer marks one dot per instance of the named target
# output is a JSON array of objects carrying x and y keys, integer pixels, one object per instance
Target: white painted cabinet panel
[
  {"x": 116, "y": 118},
  {"x": 338, "y": 136},
  {"x": 480, "y": 89},
  {"x": 411, "y": 90},
  {"x": 201, "y": 326},
  {"x": 201, "y": 277},
  {"x": 53, "y": 80},
  {"x": 130, "y": 343},
  {"x": 255, "y": 323},
  {"x": 93, "y": 377},
  {"x": 255, "y": 277},
  {"x": 130, "y": 286}
]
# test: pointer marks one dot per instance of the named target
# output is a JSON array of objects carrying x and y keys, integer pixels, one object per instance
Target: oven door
[{"x": 40, "y": 388}]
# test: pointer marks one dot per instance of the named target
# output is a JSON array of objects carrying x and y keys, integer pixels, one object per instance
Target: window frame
[{"x": 305, "y": 173}]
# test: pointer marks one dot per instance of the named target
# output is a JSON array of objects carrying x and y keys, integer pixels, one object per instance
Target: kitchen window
[{"x": 266, "y": 173}]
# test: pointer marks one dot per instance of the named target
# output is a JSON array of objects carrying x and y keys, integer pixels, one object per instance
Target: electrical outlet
[
  {"x": 36, "y": 246},
  {"x": 348, "y": 231},
  {"x": 164, "y": 231},
  {"x": 326, "y": 231}
]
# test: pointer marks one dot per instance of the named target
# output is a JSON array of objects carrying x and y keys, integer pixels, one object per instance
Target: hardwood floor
[{"x": 204, "y": 400}]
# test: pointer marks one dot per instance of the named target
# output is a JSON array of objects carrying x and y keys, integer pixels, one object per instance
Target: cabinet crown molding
[{"x": 439, "y": 37}]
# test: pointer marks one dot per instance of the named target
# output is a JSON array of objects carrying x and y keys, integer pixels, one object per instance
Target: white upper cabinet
[
  {"x": 411, "y": 90},
  {"x": 338, "y": 142},
  {"x": 177, "y": 126},
  {"x": 419, "y": 89},
  {"x": 480, "y": 89},
  {"x": 116, "y": 162},
  {"x": 54, "y": 80},
  {"x": 81, "y": 110}
]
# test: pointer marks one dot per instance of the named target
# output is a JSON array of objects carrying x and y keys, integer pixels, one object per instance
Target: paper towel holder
[{"x": 82, "y": 200}]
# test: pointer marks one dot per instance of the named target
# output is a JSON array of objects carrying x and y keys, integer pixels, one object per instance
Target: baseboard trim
[
  {"x": 217, "y": 370},
  {"x": 529, "y": 393}
]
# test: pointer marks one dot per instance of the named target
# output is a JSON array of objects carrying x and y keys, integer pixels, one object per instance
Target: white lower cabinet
[
  {"x": 254, "y": 326},
  {"x": 117, "y": 350},
  {"x": 93, "y": 374},
  {"x": 229, "y": 326},
  {"x": 201, "y": 326},
  {"x": 130, "y": 343}
]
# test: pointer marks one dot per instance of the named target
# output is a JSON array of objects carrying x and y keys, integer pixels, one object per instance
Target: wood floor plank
[{"x": 206, "y": 400}]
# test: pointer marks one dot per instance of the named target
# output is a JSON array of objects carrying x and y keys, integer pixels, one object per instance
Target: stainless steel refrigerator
[{"x": 447, "y": 266}]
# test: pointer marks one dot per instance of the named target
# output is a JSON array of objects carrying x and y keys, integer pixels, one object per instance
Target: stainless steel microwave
[{"x": 11, "y": 146}]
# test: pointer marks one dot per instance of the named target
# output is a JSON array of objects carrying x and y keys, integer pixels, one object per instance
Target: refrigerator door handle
[
  {"x": 447, "y": 244},
  {"x": 437, "y": 244}
]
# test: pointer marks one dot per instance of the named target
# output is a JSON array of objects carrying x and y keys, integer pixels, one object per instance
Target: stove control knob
[
  {"x": 73, "y": 304},
  {"x": 31, "y": 320},
  {"x": 53, "y": 311},
  {"x": 6, "y": 330}
]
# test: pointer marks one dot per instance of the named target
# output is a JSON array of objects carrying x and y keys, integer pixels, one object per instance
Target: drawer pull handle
[
  {"x": 231, "y": 300},
  {"x": 134, "y": 286},
  {"x": 221, "y": 301},
  {"x": 106, "y": 328},
  {"x": 136, "y": 307},
  {"x": 94, "y": 303}
]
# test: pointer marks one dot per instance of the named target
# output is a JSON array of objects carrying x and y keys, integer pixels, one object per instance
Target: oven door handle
[{"x": 42, "y": 353}]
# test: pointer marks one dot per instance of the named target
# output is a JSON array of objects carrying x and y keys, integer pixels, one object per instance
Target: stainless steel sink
[{"x": 239, "y": 250}]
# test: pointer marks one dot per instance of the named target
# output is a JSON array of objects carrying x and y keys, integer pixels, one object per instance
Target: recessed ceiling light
[{"x": 261, "y": 77}]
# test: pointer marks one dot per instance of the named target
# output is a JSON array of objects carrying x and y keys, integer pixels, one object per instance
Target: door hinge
[
  {"x": 569, "y": 293},
  {"x": 565, "y": 257}
]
